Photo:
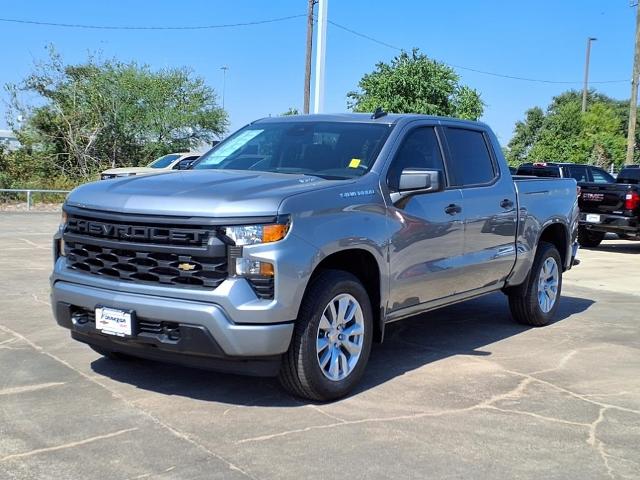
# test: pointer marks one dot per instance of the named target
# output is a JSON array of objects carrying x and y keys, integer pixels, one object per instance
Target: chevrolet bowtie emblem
[{"x": 186, "y": 267}]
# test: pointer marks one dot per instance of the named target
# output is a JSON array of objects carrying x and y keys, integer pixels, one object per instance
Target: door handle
[
  {"x": 453, "y": 209},
  {"x": 506, "y": 203}
]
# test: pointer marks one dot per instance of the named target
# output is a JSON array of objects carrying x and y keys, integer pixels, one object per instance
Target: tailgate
[{"x": 602, "y": 198}]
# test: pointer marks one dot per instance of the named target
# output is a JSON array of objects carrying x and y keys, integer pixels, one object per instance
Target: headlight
[
  {"x": 255, "y": 234},
  {"x": 63, "y": 223},
  {"x": 63, "y": 219}
]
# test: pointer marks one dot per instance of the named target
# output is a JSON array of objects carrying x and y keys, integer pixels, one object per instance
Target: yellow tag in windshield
[{"x": 354, "y": 163}]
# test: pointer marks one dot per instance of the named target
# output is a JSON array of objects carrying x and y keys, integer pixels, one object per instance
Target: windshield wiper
[{"x": 326, "y": 177}]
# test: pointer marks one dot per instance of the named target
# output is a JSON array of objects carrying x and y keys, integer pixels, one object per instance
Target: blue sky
[{"x": 540, "y": 39}]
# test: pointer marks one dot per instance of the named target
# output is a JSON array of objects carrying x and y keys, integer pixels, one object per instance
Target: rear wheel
[
  {"x": 535, "y": 301},
  {"x": 589, "y": 238},
  {"x": 332, "y": 339}
]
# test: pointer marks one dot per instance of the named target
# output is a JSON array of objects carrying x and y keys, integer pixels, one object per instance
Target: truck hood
[
  {"x": 136, "y": 170},
  {"x": 216, "y": 193}
]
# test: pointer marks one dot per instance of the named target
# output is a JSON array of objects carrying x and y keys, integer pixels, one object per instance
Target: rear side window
[
  {"x": 471, "y": 163},
  {"x": 419, "y": 149},
  {"x": 629, "y": 175},
  {"x": 600, "y": 176},
  {"x": 579, "y": 172}
]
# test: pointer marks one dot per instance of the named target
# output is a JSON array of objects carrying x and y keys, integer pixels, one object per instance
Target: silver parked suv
[{"x": 290, "y": 245}]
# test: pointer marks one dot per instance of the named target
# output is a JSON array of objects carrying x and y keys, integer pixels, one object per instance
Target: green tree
[
  {"x": 104, "y": 113},
  {"x": 564, "y": 133},
  {"x": 525, "y": 136},
  {"x": 291, "y": 111},
  {"x": 414, "y": 83}
]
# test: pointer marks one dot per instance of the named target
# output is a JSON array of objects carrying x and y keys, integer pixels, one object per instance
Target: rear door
[
  {"x": 489, "y": 208},
  {"x": 426, "y": 248}
]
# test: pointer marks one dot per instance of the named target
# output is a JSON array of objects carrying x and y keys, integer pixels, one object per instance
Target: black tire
[
  {"x": 589, "y": 238},
  {"x": 301, "y": 374},
  {"x": 523, "y": 300},
  {"x": 111, "y": 355}
]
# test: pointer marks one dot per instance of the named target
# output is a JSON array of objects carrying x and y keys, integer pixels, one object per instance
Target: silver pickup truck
[{"x": 290, "y": 245}]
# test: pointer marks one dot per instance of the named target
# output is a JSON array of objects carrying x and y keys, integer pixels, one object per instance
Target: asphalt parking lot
[{"x": 460, "y": 393}]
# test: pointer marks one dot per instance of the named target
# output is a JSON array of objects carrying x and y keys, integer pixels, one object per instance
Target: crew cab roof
[{"x": 386, "y": 119}]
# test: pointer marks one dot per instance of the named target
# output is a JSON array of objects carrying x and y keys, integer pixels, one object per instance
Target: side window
[
  {"x": 579, "y": 172},
  {"x": 600, "y": 176},
  {"x": 419, "y": 149},
  {"x": 470, "y": 160}
]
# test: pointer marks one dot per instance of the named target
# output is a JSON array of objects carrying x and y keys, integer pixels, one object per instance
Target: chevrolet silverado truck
[
  {"x": 610, "y": 208},
  {"x": 288, "y": 247}
]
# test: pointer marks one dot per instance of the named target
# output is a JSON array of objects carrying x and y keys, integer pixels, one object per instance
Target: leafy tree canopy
[
  {"x": 103, "y": 113},
  {"x": 414, "y": 83},
  {"x": 563, "y": 133}
]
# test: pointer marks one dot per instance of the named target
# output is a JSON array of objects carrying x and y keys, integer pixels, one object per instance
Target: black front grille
[
  {"x": 172, "y": 255},
  {"x": 147, "y": 267}
]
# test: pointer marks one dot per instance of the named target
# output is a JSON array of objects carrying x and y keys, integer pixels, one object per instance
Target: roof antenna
[{"x": 378, "y": 113}]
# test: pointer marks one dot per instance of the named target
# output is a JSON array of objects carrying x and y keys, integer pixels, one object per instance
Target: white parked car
[{"x": 172, "y": 161}]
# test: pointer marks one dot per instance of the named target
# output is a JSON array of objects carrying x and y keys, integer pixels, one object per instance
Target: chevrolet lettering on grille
[{"x": 137, "y": 233}]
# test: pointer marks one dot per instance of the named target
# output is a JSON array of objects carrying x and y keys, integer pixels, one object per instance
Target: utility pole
[
  {"x": 633, "y": 104},
  {"x": 224, "y": 69},
  {"x": 321, "y": 46},
  {"x": 585, "y": 88},
  {"x": 307, "y": 65}
]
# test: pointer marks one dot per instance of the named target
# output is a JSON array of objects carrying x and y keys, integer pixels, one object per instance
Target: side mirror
[
  {"x": 420, "y": 180},
  {"x": 184, "y": 165},
  {"x": 415, "y": 181}
]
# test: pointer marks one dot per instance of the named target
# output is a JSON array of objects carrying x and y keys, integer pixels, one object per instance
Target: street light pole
[
  {"x": 307, "y": 60},
  {"x": 224, "y": 69},
  {"x": 633, "y": 104},
  {"x": 585, "y": 88},
  {"x": 321, "y": 41}
]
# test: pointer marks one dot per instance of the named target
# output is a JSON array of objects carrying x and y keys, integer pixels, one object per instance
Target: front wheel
[
  {"x": 332, "y": 339},
  {"x": 535, "y": 302},
  {"x": 589, "y": 238}
]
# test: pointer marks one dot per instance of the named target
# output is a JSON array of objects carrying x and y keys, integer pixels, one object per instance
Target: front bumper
[{"x": 207, "y": 337}]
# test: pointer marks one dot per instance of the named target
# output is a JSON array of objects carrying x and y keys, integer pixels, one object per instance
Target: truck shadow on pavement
[{"x": 462, "y": 329}]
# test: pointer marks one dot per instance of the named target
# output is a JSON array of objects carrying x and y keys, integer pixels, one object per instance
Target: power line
[
  {"x": 172, "y": 27},
  {"x": 461, "y": 67}
]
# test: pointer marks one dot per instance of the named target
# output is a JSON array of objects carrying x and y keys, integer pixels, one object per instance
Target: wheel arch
[
  {"x": 366, "y": 268},
  {"x": 557, "y": 233}
]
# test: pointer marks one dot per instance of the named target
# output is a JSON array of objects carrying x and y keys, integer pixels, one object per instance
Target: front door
[{"x": 427, "y": 244}]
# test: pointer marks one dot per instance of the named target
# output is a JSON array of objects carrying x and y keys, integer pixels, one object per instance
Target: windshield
[
  {"x": 326, "y": 149},
  {"x": 164, "y": 162}
]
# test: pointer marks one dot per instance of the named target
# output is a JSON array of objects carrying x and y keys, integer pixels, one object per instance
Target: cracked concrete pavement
[{"x": 459, "y": 393}]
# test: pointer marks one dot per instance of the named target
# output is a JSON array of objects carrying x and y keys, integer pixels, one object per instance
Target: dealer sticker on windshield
[{"x": 114, "y": 321}]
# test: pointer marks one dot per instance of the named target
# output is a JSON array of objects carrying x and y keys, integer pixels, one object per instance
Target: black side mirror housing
[{"x": 185, "y": 165}]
